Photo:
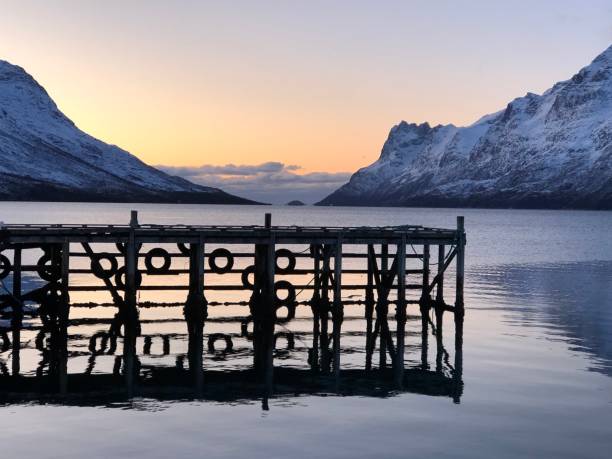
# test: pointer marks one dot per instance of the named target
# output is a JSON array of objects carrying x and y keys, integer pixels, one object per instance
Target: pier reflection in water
[{"x": 91, "y": 362}]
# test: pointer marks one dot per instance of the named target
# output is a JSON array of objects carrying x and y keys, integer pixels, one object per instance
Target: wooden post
[
  {"x": 269, "y": 304},
  {"x": 400, "y": 313},
  {"x": 65, "y": 284},
  {"x": 17, "y": 312},
  {"x": 458, "y": 370},
  {"x": 459, "y": 305},
  {"x": 131, "y": 313},
  {"x": 369, "y": 308},
  {"x": 131, "y": 264},
  {"x": 268, "y": 220},
  {"x": 134, "y": 219},
  {"x": 315, "y": 304},
  {"x": 382, "y": 309},
  {"x": 324, "y": 310},
  {"x": 64, "y": 314},
  {"x": 440, "y": 286},
  {"x": 338, "y": 307},
  {"x": 195, "y": 313},
  {"x": 426, "y": 256}
]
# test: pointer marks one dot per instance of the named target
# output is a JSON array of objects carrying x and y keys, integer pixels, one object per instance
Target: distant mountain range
[
  {"x": 45, "y": 157},
  {"x": 542, "y": 151}
]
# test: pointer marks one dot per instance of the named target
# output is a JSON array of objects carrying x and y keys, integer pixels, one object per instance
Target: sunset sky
[{"x": 291, "y": 95}]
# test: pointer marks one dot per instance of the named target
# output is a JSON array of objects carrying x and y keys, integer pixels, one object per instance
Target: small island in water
[{"x": 295, "y": 202}]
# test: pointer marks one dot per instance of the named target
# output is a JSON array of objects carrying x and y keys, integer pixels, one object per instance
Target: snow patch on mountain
[
  {"x": 40, "y": 148},
  {"x": 549, "y": 150}
]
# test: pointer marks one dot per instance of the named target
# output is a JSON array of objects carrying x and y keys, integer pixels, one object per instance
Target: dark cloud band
[{"x": 271, "y": 181}]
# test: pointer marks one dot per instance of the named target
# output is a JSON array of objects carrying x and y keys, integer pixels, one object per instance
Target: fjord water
[{"x": 537, "y": 355}]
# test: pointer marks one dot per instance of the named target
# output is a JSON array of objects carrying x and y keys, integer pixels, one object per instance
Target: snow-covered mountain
[
  {"x": 44, "y": 156},
  {"x": 551, "y": 150}
]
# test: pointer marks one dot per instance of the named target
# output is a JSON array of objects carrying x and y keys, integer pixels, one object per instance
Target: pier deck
[{"x": 272, "y": 265}]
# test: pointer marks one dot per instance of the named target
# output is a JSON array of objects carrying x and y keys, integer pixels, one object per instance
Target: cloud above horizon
[{"x": 274, "y": 182}]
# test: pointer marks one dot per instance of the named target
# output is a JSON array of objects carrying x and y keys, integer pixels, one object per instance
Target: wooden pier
[{"x": 373, "y": 268}]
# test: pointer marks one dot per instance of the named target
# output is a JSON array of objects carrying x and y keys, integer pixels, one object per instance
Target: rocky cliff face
[
  {"x": 552, "y": 150},
  {"x": 44, "y": 156}
]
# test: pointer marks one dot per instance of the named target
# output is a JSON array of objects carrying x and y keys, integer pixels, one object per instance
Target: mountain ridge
[
  {"x": 45, "y": 156},
  {"x": 552, "y": 150}
]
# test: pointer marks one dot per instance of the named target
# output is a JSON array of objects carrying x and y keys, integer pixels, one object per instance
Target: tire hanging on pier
[
  {"x": 99, "y": 271},
  {"x": 221, "y": 253},
  {"x": 244, "y": 277},
  {"x": 5, "y": 266},
  {"x": 48, "y": 268},
  {"x": 287, "y": 302},
  {"x": 290, "y": 256},
  {"x": 160, "y": 253}
]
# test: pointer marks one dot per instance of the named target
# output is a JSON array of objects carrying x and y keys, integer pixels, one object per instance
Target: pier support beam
[
  {"x": 17, "y": 312},
  {"x": 459, "y": 304},
  {"x": 369, "y": 308},
  {"x": 196, "y": 312},
  {"x": 64, "y": 314},
  {"x": 263, "y": 310},
  {"x": 400, "y": 312},
  {"x": 338, "y": 309},
  {"x": 130, "y": 313}
]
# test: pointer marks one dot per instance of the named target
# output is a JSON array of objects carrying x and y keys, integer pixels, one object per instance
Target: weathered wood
[
  {"x": 17, "y": 313},
  {"x": 269, "y": 297},
  {"x": 327, "y": 242},
  {"x": 369, "y": 308},
  {"x": 425, "y": 292},
  {"x": 195, "y": 314},
  {"x": 382, "y": 307},
  {"x": 440, "y": 275},
  {"x": 65, "y": 283},
  {"x": 400, "y": 313},
  {"x": 338, "y": 312},
  {"x": 64, "y": 314},
  {"x": 459, "y": 306}
]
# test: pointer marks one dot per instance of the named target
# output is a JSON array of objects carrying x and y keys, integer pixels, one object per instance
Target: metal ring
[
  {"x": 229, "y": 345},
  {"x": 120, "y": 283},
  {"x": 157, "y": 252},
  {"x": 284, "y": 253},
  {"x": 5, "y": 266},
  {"x": 50, "y": 273},
  {"x": 245, "y": 277},
  {"x": 217, "y": 253},
  {"x": 98, "y": 270}
]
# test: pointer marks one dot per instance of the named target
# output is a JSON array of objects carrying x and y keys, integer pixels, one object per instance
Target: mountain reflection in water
[{"x": 572, "y": 301}]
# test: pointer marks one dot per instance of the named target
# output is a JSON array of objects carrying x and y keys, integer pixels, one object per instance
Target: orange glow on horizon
[{"x": 217, "y": 84}]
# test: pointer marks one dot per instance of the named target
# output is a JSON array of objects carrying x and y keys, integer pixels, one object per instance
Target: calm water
[{"x": 537, "y": 356}]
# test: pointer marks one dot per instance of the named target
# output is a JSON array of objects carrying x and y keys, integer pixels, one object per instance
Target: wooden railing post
[
  {"x": 17, "y": 312},
  {"x": 338, "y": 312},
  {"x": 400, "y": 312},
  {"x": 459, "y": 304}
]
